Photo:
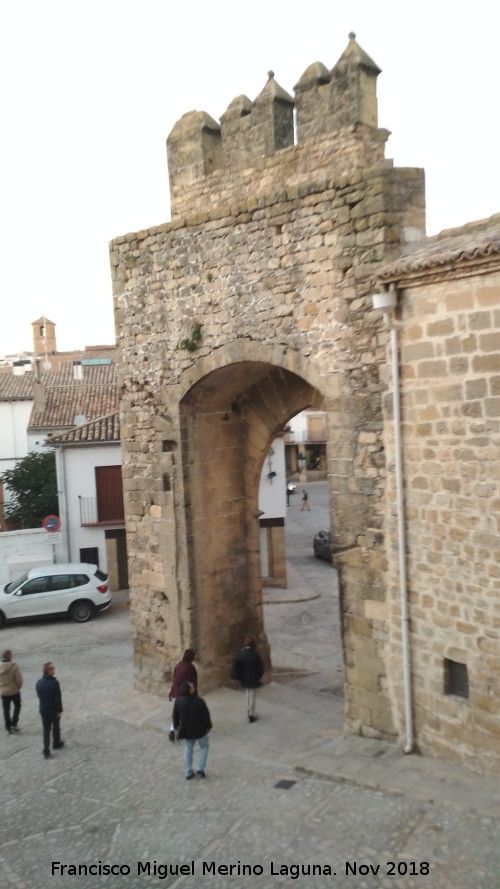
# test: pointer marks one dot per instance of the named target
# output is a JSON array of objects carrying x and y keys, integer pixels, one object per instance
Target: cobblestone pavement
[{"x": 287, "y": 801}]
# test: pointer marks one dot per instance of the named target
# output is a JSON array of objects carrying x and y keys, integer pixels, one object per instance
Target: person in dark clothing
[
  {"x": 184, "y": 671},
  {"x": 192, "y": 722},
  {"x": 248, "y": 669},
  {"x": 49, "y": 696},
  {"x": 10, "y": 688}
]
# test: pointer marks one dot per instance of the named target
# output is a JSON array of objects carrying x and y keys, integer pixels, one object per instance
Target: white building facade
[{"x": 90, "y": 492}]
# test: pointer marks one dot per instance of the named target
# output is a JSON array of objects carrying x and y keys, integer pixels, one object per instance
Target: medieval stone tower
[{"x": 252, "y": 304}]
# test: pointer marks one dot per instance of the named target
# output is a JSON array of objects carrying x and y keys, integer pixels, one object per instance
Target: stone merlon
[{"x": 328, "y": 105}]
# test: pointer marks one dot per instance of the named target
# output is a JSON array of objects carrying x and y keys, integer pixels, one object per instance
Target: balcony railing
[{"x": 107, "y": 514}]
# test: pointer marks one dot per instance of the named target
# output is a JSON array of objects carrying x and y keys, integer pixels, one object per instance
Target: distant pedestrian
[
  {"x": 184, "y": 671},
  {"x": 248, "y": 669},
  {"x": 304, "y": 503},
  {"x": 10, "y": 688},
  {"x": 51, "y": 708},
  {"x": 192, "y": 722}
]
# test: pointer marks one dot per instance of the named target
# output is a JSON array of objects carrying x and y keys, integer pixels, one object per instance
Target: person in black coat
[
  {"x": 49, "y": 696},
  {"x": 192, "y": 722},
  {"x": 248, "y": 670},
  {"x": 184, "y": 671}
]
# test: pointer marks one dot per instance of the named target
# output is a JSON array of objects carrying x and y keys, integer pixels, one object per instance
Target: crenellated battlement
[
  {"x": 335, "y": 110},
  {"x": 329, "y": 101}
]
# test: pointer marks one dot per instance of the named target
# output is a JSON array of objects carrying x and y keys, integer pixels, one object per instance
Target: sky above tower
[{"x": 91, "y": 91}]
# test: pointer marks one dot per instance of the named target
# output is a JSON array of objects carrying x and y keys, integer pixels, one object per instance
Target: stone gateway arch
[{"x": 252, "y": 304}]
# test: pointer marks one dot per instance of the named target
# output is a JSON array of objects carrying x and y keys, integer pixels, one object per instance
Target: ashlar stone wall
[
  {"x": 448, "y": 321},
  {"x": 252, "y": 304}
]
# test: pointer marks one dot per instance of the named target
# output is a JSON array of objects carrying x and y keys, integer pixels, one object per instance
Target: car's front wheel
[
  {"x": 2, "y": 620},
  {"x": 82, "y": 611}
]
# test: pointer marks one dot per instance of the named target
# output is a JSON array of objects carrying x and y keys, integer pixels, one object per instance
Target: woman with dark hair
[
  {"x": 184, "y": 671},
  {"x": 248, "y": 670}
]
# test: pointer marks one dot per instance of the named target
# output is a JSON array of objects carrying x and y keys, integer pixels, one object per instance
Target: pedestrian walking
[
  {"x": 184, "y": 671},
  {"x": 248, "y": 669},
  {"x": 192, "y": 722},
  {"x": 11, "y": 682},
  {"x": 49, "y": 696},
  {"x": 304, "y": 503}
]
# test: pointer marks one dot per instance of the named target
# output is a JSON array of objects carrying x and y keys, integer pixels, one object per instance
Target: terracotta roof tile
[
  {"x": 62, "y": 404},
  {"x": 22, "y": 387},
  {"x": 92, "y": 374},
  {"x": 99, "y": 431},
  {"x": 14, "y": 388},
  {"x": 475, "y": 241},
  {"x": 60, "y": 398}
]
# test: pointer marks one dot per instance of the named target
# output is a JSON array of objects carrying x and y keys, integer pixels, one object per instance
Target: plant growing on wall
[
  {"x": 189, "y": 345},
  {"x": 33, "y": 488}
]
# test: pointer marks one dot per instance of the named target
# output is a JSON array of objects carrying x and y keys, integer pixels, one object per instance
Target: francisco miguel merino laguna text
[
  {"x": 211, "y": 869},
  {"x": 206, "y": 868}
]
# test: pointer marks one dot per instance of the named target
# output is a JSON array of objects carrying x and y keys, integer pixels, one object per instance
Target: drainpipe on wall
[
  {"x": 63, "y": 504},
  {"x": 387, "y": 300}
]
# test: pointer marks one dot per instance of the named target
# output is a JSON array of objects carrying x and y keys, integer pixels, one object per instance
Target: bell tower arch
[{"x": 44, "y": 336}]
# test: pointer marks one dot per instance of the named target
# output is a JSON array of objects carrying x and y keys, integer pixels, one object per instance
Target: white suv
[{"x": 79, "y": 590}]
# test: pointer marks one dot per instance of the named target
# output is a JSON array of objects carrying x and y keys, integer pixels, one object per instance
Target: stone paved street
[{"x": 288, "y": 791}]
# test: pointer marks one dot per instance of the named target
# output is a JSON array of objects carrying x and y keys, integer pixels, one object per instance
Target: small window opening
[
  {"x": 456, "y": 680},
  {"x": 90, "y": 554},
  {"x": 166, "y": 482}
]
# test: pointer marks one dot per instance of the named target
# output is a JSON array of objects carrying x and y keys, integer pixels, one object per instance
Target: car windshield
[{"x": 14, "y": 584}]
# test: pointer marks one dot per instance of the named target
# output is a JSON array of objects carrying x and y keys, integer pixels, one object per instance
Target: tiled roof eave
[
  {"x": 55, "y": 429},
  {"x": 408, "y": 276},
  {"x": 473, "y": 249},
  {"x": 103, "y": 430},
  {"x": 82, "y": 444}
]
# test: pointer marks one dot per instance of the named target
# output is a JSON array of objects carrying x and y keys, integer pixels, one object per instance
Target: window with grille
[
  {"x": 456, "y": 680},
  {"x": 90, "y": 555}
]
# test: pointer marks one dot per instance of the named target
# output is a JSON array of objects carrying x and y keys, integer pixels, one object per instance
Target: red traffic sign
[{"x": 52, "y": 523}]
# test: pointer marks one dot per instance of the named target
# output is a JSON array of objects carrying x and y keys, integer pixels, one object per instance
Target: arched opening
[
  {"x": 300, "y": 583},
  {"x": 298, "y": 456},
  {"x": 228, "y": 420},
  {"x": 195, "y": 560}
]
